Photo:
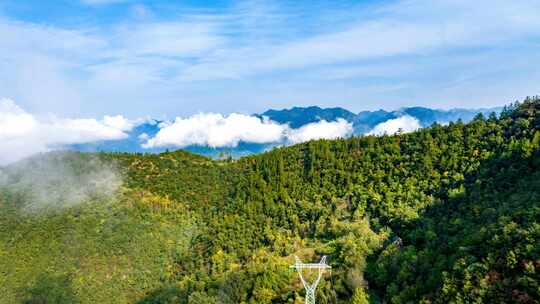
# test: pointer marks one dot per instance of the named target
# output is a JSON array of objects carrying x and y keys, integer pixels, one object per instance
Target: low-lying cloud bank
[
  {"x": 216, "y": 130},
  {"x": 319, "y": 130},
  {"x": 403, "y": 124},
  {"x": 23, "y": 134}
]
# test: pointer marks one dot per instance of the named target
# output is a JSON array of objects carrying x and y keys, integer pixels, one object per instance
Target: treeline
[{"x": 447, "y": 214}]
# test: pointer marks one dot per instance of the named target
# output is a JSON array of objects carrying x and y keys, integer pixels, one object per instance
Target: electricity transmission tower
[{"x": 310, "y": 288}]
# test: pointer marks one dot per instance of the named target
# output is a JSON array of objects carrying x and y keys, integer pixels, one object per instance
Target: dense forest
[{"x": 447, "y": 214}]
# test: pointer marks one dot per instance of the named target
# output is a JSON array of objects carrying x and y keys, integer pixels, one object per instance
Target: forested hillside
[{"x": 447, "y": 214}]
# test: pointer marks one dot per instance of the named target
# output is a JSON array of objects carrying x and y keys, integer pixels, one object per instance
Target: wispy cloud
[
  {"x": 168, "y": 39},
  {"x": 191, "y": 56},
  {"x": 406, "y": 28}
]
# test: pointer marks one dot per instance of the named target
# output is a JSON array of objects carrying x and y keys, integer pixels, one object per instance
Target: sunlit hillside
[{"x": 447, "y": 214}]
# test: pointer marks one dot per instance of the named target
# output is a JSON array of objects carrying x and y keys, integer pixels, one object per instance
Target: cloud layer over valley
[
  {"x": 403, "y": 124},
  {"x": 321, "y": 129},
  {"x": 23, "y": 134},
  {"x": 215, "y": 130}
]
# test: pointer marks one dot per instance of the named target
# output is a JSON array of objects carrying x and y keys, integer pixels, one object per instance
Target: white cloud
[
  {"x": 22, "y": 134},
  {"x": 14, "y": 121},
  {"x": 404, "y": 123},
  {"x": 119, "y": 122},
  {"x": 216, "y": 130},
  {"x": 322, "y": 129}
]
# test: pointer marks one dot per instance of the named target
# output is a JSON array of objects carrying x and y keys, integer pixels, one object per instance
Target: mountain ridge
[{"x": 295, "y": 117}]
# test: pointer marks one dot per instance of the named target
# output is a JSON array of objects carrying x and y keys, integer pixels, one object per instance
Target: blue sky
[{"x": 168, "y": 58}]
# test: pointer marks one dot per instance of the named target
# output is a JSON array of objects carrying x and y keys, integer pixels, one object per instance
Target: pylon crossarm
[
  {"x": 321, "y": 265},
  {"x": 311, "y": 266}
]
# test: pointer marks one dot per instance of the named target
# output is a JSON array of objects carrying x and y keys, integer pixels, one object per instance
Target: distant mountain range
[
  {"x": 365, "y": 121},
  {"x": 296, "y": 117}
]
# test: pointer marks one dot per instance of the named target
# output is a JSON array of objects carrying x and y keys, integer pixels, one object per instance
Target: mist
[{"x": 58, "y": 180}]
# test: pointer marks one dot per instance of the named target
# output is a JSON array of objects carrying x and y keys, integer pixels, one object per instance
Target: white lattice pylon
[{"x": 310, "y": 288}]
